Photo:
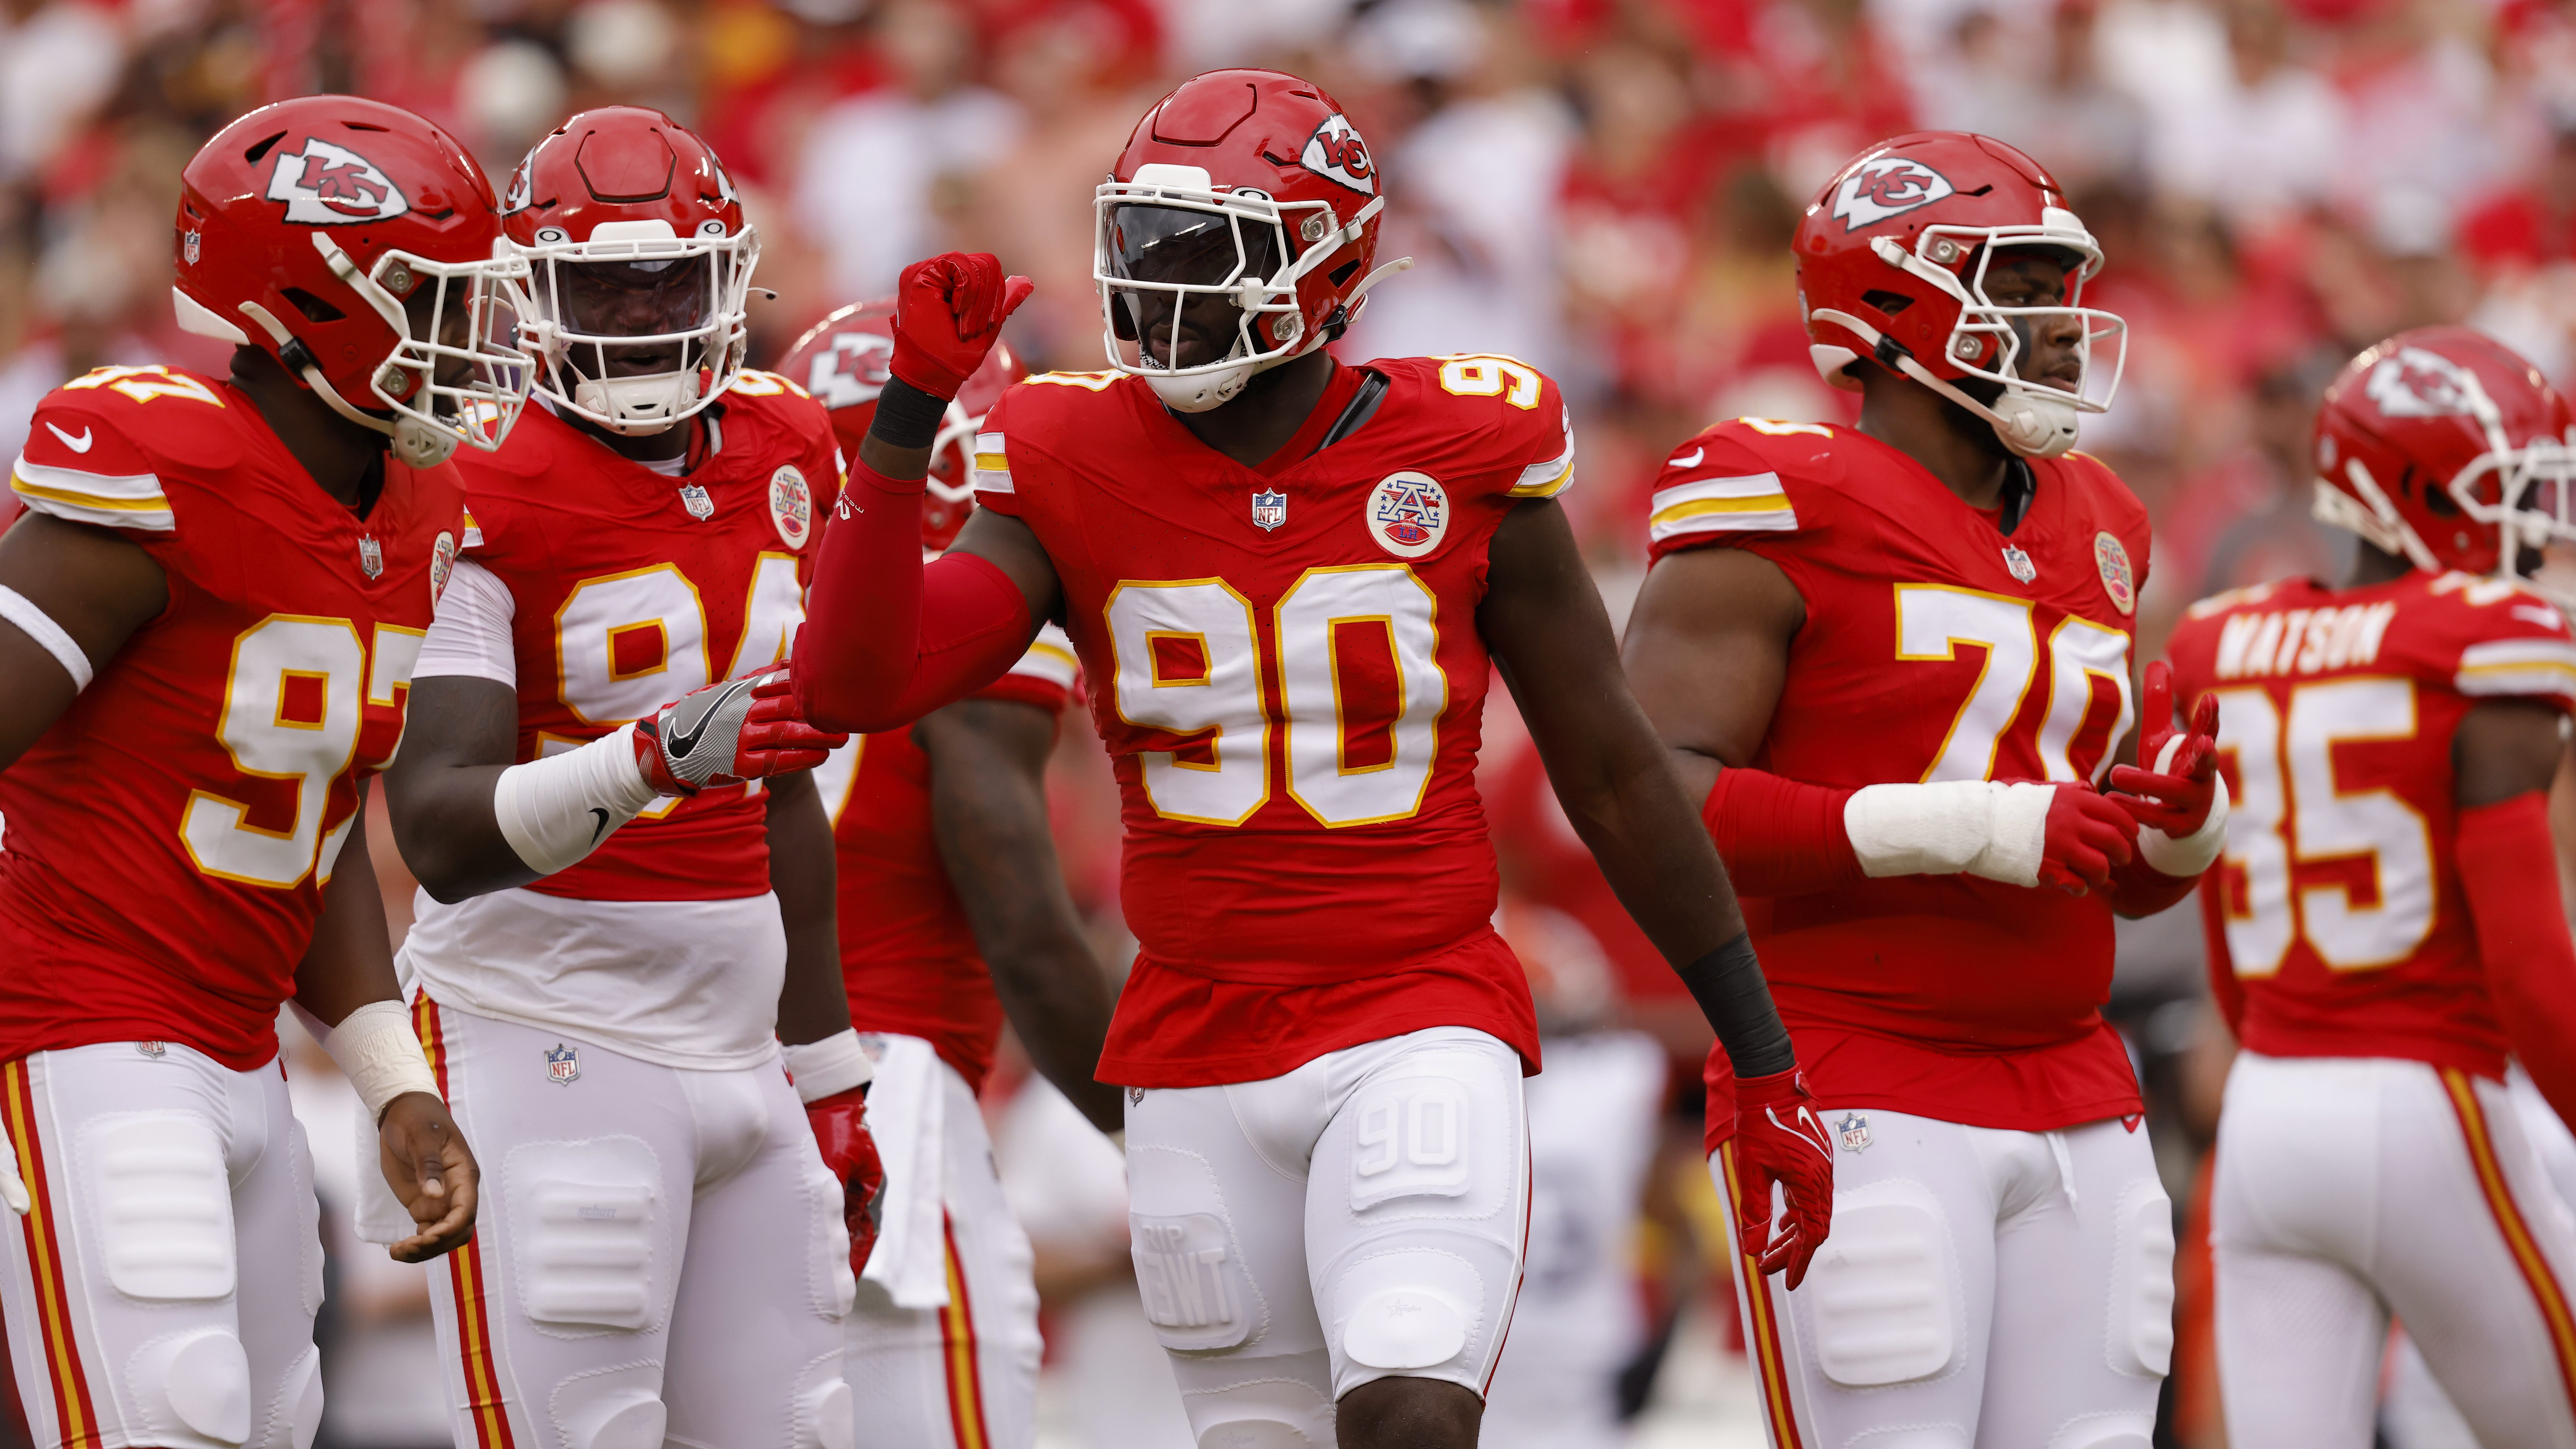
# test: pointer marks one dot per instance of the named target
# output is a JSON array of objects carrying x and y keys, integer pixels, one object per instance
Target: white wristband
[
  {"x": 829, "y": 1067},
  {"x": 558, "y": 809},
  {"x": 380, "y": 1054},
  {"x": 1974, "y": 827},
  {"x": 38, "y": 625},
  {"x": 2196, "y": 852}
]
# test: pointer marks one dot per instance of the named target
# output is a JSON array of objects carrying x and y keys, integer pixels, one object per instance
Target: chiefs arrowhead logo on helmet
[
  {"x": 327, "y": 185},
  {"x": 1888, "y": 186},
  {"x": 2416, "y": 382},
  {"x": 851, "y": 371},
  {"x": 1336, "y": 150}
]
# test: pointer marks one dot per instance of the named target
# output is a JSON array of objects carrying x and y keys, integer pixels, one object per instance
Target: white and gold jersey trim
[
  {"x": 992, "y": 464},
  {"x": 1050, "y": 658},
  {"x": 1752, "y": 504},
  {"x": 1547, "y": 479},
  {"x": 2518, "y": 666},
  {"x": 130, "y": 501}
]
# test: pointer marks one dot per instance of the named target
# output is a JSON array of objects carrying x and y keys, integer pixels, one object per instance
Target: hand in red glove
[
  {"x": 2175, "y": 791},
  {"x": 841, "y": 1130},
  {"x": 1778, "y": 1139},
  {"x": 948, "y": 312},
  {"x": 727, "y": 733},
  {"x": 2088, "y": 837}
]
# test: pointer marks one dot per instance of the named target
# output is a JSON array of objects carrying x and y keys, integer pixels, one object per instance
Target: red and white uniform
[
  {"x": 167, "y": 843},
  {"x": 944, "y": 1345},
  {"x": 1285, "y": 667},
  {"x": 1949, "y": 1025},
  {"x": 2370, "y": 1161},
  {"x": 661, "y": 1250}
]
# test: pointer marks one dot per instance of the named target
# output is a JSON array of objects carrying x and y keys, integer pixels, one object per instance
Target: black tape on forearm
[
  {"x": 907, "y": 417},
  {"x": 1728, "y": 985}
]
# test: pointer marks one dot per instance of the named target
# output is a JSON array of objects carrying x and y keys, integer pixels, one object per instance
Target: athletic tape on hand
[
  {"x": 380, "y": 1054},
  {"x": 829, "y": 1067},
  {"x": 558, "y": 809},
  {"x": 2196, "y": 852},
  {"x": 1973, "y": 827}
]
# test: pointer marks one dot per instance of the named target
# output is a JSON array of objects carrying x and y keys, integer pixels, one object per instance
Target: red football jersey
[
  {"x": 2337, "y": 902},
  {"x": 169, "y": 837},
  {"x": 908, "y": 957},
  {"x": 633, "y": 588},
  {"x": 1936, "y": 647},
  {"x": 1286, "y": 670}
]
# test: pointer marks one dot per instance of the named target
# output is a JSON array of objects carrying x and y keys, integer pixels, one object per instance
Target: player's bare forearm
[
  {"x": 812, "y": 1003},
  {"x": 461, "y": 733},
  {"x": 988, "y": 812},
  {"x": 1544, "y": 621},
  {"x": 97, "y": 589},
  {"x": 350, "y": 960},
  {"x": 1707, "y": 653}
]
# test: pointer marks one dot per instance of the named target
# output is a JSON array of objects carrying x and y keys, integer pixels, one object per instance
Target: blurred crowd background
[{"x": 1603, "y": 187}]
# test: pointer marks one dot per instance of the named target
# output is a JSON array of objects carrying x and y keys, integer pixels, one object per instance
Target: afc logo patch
[
  {"x": 791, "y": 505},
  {"x": 327, "y": 185},
  {"x": 442, "y": 566},
  {"x": 563, "y": 1064},
  {"x": 2113, "y": 560},
  {"x": 1886, "y": 186},
  {"x": 1336, "y": 151},
  {"x": 1408, "y": 514}
]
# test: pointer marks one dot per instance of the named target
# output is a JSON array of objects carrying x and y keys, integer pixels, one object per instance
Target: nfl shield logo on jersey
[
  {"x": 695, "y": 499},
  {"x": 1269, "y": 510},
  {"x": 791, "y": 505},
  {"x": 2019, "y": 564},
  {"x": 1854, "y": 1132},
  {"x": 1408, "y": 514},
  {"x": 563, "y": 1064},
  {"x": 371, "y": 557}
]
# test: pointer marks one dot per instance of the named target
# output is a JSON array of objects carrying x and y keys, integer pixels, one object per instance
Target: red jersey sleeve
[
  {"x": 1044, "y": 676},
  {"x": 1726, "y": 487},
  {"x": 992, "y": 457},
  {"x": 2497, "y": 639},
  {"x": 124, "y": 448}
]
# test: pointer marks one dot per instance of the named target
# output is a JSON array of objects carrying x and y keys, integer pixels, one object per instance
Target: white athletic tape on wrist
[
  {"x": 2196, "y": 852},
  {"x": 829, "y": 1067},
  {"x": 380, "y": 1054},
  {"x": 38, "y": 625},
  {"x": 558, "y": 809},
  {"x": 1976, "y": 827}
]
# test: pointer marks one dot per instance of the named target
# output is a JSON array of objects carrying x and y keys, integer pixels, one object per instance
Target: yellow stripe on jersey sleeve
[
  {"x": 1050, "y": 658},
  {"x": 992, "y": 464},
  {"x": 1549, "y": 478},
  {"x": 1751, "y": 504},
  {"x": 2518, "y": 666},
  {"x": 111, "y": 501}
]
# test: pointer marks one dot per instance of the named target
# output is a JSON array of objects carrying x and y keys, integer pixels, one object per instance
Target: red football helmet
[
  {"x": 842, "y": 361},
  {"x": 642, "y": 268},
  {"x": 1892, "y": 261},
  {"x": 2443, "y": 446},
  {"x": 1245, "y": 208},
  {"x": 358, "y": 242}
]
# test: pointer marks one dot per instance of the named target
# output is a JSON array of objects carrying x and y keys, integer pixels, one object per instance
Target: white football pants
[
  {"x": 1981, "y": 1289},
  {"x": 163, "y": 1288},
  {"x": 659, "y": 1256},
  {"x": 962, "y": 1374},
  {"x": 2351, "y": 1188},
  {"x": 1382, "y": 1190}
]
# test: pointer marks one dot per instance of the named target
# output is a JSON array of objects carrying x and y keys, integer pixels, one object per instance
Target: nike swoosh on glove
[
  {"x": 2178, "y": 796},
  {"x": 840, "y": 1123},
  {"x": 1779, "y": 1140},
  {"x": 948, "y": 312},
  {"x": 2087, "y": 837},
  {"x": 727, "y": 733}
]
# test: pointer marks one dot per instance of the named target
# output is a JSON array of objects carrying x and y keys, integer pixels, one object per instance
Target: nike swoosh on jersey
[
  {"x": 602, "y": 828},
  {"x": 1690, "y": 462},
  {"x": 77, "y": 445}
]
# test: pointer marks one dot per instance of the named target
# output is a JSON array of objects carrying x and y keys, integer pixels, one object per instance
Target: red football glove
[
  {"x": 2176, "y": 793},
  {"x": 1778, "y": 1139},
  {"x": 2088, "y": 838},
  {"x": 841, "y": 1130},
  {"x": 948, "y": 312},
  {"x": 727, "y": 733}
]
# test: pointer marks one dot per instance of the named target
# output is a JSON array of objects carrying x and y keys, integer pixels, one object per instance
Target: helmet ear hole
[
  {"x": 1888, "y": 302},
  {"x": 314, "y": 308},
  {"x": 1341, "y": 275}
]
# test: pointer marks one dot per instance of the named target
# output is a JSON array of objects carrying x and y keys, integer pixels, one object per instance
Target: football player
[
  {"x": 1895, "y": 659},
  {"x": 213, "y": 603},
  {"x": 946, "y": 864},
  {"x": 1291, "y": 579},
  {"x": 2386, "y": 927},
  {"x": 626, "y": 901}
]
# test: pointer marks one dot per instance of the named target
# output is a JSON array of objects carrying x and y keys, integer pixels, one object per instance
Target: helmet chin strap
[
  {"x": 2031, "y": 424},
  {"x": 415, "y": 443},
  {"x": 1205, "y": 391},
  {"x": 2372, "y": 516}
]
